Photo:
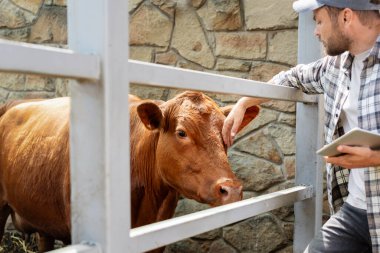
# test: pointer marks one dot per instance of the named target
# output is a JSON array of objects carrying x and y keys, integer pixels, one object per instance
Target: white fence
[{"x": 98, "y": 61}]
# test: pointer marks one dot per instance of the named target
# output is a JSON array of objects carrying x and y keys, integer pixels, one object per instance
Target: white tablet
[{"x": 355, "y": 137}]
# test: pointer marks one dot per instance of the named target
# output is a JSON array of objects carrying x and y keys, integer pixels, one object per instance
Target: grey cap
[{"x": 310, "y": 5}]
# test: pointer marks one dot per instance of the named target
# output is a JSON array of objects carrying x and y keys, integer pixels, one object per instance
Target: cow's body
[
  {"x": 34, "y": 167},
  {"x": 176, "y": 148}
]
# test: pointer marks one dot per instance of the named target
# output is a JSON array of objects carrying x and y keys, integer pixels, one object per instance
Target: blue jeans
[{"x": 345, "y": 232}]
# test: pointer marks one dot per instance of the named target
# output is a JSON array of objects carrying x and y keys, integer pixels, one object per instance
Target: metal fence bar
[
  {"x": 162, "y": 233},
  {"x": 99, "y": 136},
  {"x": 308, "y": 213},
  {"x": 160, "y": 75},
  {"x": 79, "y": 248},
  {"x": 37, "y": 59}
]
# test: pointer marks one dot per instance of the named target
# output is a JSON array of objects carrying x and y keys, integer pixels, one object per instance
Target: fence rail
[
  {"x": 165, "y": 232},
  {"x": 37, "y": 59}
]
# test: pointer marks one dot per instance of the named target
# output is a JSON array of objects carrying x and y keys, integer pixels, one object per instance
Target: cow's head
[{"x": 191, "y": 155}]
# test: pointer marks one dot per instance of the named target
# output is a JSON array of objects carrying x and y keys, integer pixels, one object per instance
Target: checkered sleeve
[
  {"x": 373, "y": 205},
  {"x": 338, "y": 186},
  {"x": 307, "y": 77}
]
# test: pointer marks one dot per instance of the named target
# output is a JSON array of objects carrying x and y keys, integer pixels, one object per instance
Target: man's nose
[{"x": 316, "y": 32}]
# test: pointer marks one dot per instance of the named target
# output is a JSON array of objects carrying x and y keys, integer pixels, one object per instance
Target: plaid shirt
[{"x": 331, "y": 76}]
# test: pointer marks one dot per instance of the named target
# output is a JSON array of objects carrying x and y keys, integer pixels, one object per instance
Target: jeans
[{"x": 345, "y": 232}]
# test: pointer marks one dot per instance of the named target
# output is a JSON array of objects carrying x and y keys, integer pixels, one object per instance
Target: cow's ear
[
  {"x": 150, "y": 115},
  {"x": 250, "y": 114}
]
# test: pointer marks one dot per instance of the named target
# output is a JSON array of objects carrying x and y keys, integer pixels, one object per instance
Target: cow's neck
[
  {"x": 152, "y": 199},
  {"x": 156, "y": 210}
]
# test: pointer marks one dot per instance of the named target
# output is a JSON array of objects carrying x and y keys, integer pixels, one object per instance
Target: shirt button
[
  {"x": 348, "y": 88},
  {"x": 336, "y": 115}
]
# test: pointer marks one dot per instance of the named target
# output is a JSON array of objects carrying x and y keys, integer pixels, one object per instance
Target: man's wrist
[{"x": 247, "y": 102}]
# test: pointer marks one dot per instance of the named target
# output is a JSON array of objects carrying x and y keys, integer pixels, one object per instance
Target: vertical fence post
[
  {"x": 99, "y": 132},
  {"x": 308, "y": 213}
]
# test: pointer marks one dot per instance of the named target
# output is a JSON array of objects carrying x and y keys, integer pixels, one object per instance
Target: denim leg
[{"x": 345, "y": 232}]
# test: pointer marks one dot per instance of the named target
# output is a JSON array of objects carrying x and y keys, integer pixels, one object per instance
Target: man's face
[{"x": 330, "y": 33}]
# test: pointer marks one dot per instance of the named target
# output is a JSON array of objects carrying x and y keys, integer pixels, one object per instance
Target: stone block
[
  {"x": 283, "y": 106},
  {"x": 167, "y": 6},
  {"x": 141, "y": 53},
  {"x": 12, "y": 81},
  {"x": 287, "y": 249},
  {"x": 149, "y": 26},
  {"x": 188, "y": 246},
  {"x": 30, "y": 95},
  {"x": 282, "y": 186},
  {"x": 283, "y": 47},
  {"x": 283, "y": 212},
  {"x": 12, "y": 16},
  {"x": 148, "y": 92},
  {"x": 167, "y": 58},
  {"x": 60, "y": 2},
  {"x": 197, "y": 3},
  {"x": 287, "y": 118},
  {"x": 31, "y": 5},
  {"x": 256, "y": 174},
  {"x": 269, "y": 14},
  {"x": 3, "y": 95},
  {"x": 51, "y": 26},
  {"x": 184, "y": 64},
  {"x": 132, "y": 4},
  {"x": 232, "y": 64},
  {"x": 264, "y": 71},
  {"x": 187, "y": 206},
  {"x": 189, "y": 39},
  {"x": 220, "y": 246},
  {"x": 19, "y": 34},
  {"x": 62, "y": 88},
  {"x": 290, "y": 167},
  {"x": 263, "y": 233},
  {"x": 241, "y": 45},
  {"x": 220, "y": 15},
  {"x": 261, "y": 145},
  {"x": 285, "y": 137},
  {"x": 39, "y": 83}
]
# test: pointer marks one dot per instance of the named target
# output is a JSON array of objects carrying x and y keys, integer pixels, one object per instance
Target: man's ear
[
  {"x": 249, "y": 115},
  {"x": 150, "y": 115}
]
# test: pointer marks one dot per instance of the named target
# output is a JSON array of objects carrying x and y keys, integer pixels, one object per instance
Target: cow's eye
[{"x": 181, "y": 133}]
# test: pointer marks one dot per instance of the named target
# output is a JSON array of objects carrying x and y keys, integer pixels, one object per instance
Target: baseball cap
[{"x": 310, "y": 5}]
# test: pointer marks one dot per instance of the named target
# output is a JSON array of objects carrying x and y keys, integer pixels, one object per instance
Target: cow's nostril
[{"x": 223, "y": 191}]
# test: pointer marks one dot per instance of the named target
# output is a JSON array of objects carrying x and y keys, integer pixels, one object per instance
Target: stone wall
[
  {"x": 33, "y": 21},
  {"x": 240, "y": 38}
]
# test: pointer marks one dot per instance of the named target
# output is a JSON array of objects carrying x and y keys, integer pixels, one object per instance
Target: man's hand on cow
[
  {"x": 355, "y": 157},
  {"x": 235, "y": 117},
  {"x": 232, "y": 123}
]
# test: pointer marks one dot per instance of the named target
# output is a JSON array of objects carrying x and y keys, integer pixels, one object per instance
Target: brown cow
[{"x": 176, "y": 148}]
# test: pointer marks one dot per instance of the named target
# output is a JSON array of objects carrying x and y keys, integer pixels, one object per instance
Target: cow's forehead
[
  {"x": 194, "y": 112},
  {"x": 204, "y": 107}
]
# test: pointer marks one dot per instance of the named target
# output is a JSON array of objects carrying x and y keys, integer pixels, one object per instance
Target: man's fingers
[
  {"x": 226, "y": 132},
  {"x": 234, "y": 129},
  {"x": 349, "y": 149}
]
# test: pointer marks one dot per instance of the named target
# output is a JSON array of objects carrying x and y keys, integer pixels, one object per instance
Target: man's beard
[{"x": 337, "y": 44}]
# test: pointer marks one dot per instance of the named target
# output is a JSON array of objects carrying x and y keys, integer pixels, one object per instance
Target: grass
[{"x": 13, "y": 242}]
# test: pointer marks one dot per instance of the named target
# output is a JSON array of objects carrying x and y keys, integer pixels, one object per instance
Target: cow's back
[{"x": 34, "y": 164}]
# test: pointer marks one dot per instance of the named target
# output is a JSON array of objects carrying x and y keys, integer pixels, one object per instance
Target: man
[{"x": 349, "y": 78}]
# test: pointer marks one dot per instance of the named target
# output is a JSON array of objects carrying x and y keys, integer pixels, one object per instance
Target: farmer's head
[{"x": 338, "y": 21}]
